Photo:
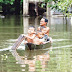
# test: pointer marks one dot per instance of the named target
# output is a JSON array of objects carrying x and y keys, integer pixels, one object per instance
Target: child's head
[
  {"x": 31, "y": 30},
  {"x": 43, "y": 21}
]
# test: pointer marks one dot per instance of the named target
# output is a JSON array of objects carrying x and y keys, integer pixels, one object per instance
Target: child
[
  {"x": 42, "y": 35},
  {"x": 45, "y": 37},
  {"x": 31, "y": 37},
  {"x": 43, "y": 30}
]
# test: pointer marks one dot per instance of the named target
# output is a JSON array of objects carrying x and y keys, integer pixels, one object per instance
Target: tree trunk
[
  {"x": 4, "y": 9},
  {"x": 17, "y": 7}
]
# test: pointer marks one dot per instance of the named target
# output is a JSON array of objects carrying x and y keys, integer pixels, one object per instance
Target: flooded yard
[{"x": 57, "y": 58}]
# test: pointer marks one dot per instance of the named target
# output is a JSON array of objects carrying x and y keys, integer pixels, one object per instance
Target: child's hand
[{"x": 26, "y": 36}]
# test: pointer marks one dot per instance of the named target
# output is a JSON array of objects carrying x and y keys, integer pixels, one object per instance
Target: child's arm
[{"x": 31, "y": 37}]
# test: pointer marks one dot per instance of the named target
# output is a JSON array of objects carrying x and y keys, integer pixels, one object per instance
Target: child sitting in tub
[{"x": 32, "y": 37}]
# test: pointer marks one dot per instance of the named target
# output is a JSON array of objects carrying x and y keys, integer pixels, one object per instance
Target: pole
[
  {"x": 48, "y": 10},
  {"x": 25, "y": 7}
]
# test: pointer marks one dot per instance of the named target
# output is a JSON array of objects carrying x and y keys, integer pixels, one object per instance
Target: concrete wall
[{"x": 32, "y": 6}]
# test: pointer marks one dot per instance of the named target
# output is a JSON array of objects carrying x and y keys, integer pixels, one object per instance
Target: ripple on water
[{"x": 56, "y": 40}]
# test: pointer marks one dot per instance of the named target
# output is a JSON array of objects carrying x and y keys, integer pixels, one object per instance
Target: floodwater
[{"x": 57, "y": 58}]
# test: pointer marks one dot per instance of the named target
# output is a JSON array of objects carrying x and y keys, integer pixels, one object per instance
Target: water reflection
[
  {"x": 25, "y": 24},
  {"x": 35, "y": 60},
  {"x": 30, "y": 21}
]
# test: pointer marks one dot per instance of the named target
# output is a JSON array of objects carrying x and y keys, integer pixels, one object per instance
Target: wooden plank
[{"x": 18, "y": 42}]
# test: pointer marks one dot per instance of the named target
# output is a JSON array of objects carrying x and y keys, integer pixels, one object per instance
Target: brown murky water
[{"x": 57, "y": 58}]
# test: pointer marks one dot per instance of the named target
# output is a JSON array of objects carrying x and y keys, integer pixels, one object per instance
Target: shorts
[{"x": 46, "y": 38}]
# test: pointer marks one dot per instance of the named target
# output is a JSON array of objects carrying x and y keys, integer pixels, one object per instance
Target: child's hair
[
  {"x": 46, "y": 20},
  {"x": 32, "y": 27}
]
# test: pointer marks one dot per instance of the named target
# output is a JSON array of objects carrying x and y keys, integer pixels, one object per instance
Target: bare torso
[
  {"x": 43, "y": 31},
  {"x": 30, "y": 38}
]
